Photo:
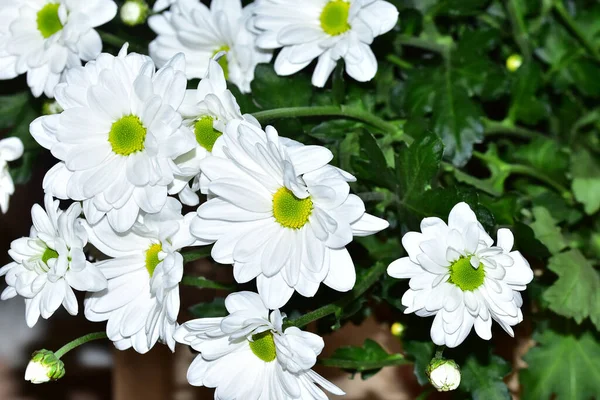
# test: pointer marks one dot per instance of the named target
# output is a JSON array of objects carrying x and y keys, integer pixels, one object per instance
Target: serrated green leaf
[
  {"x": 544, "y": 155},
  {"x": 270, "y": 90},
  {"x": 483, "y": 378},
  {"x": 585, "y": 170},
  {"x": 576, "y": 293},
  {"x": 215, "y": 308},
  {"x": 564, "y": 367},
  {"x": 546, "y": 230},
  {"x": 372, "y": 165}
]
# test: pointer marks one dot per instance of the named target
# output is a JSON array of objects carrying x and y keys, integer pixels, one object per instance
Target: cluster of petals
[{"x": 11, "y": 149}]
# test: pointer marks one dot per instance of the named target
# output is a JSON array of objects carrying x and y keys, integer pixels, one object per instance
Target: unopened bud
[
  {"x": 44, "y": 367},
  {"x": 51, "y": 107},
  {"x": 397, "y": 329},
  {"x": 134, "y": 12},
  {"x": 514, "y": 62},
  {"x": 443, "y": 374}
]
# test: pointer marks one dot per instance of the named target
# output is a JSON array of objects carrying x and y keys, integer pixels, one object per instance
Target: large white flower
[
  {"x": 50, "y": 263},
  {"x": 206, "y": 111},
  {"x": 141, "y": 302},
  {"x": 192, "y": 28},
  {"x": 280, "y": 213},
  {"x": 247, "y": 355},
  {"x": 117, "y": 137},
  {"x": 11, "y": 149},
  {"x": 43, "y": 38},
  {"x": 458, "y": 275},
  {"x": 324, "y": 29}
]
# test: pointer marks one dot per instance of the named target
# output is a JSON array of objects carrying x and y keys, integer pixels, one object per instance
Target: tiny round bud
[
  {"x": 397, "y": 329},
  {"x": 51, "y": 107},
  {"x": 443, "y": 374},
  {"x": 514, "y": 62},
  {"x": 44, "y": 367},
  {"x": 134, "y": 12}
]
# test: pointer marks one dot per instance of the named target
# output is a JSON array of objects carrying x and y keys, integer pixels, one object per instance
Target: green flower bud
[
  {"x": 397, "y": 329},
  {"x": 44, "y": 367},
  {"x": 443, "y": 374},
  {"x": 51, "y": 107},
  {"x": 514, "y": 62},
  {"x": 134, "y": 12}
]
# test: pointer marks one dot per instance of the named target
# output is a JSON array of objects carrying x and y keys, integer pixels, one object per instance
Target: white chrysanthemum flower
[
  {"x": 118, "y": 136},
  {"x": 141, "y": 302},
  {"x": 206, "y": 111},
  {"x": 161, "y": 5},
  {"x": 280, "y": 213},
  {"x": 458, "y": 275},
  {"x": 324, "y": 29},
  {"x": 11, "y": 149},
  {"x": 247, "y": 355},
  {"x": 43, "y": 38},
  {"x": 199, "y": 32},
  {"x": 50, "y": 263}
]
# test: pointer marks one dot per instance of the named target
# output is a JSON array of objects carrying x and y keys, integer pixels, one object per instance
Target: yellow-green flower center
[
  {"x": 206, "y": 135},
  {"x": 463, "y": 275},
  {"x": 48, "y": 21},
  {"x": 263, "y": 346},
  {"x": 334, "y": 17},
  {"x": 223, "y": 60},
  {"x": 127, "y": 135},
  {"x": 290, "y": 211},
  {"x": 48, "y": 255},
  {"x": 152, "y": 259}
]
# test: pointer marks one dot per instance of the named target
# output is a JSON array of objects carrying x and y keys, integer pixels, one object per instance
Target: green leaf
[
  {"x": 10, "y": 107},
  {"x": 576, "y": 293},
  {"x": 546, "y": 230},
  {"x": 372, "y": 165},
  {"x": 484, "y": 379},
  {"x": 368, "y": 359},
  {"x": 421, "y": 354},
  {"x": 585, "y": 170},
  {"x": 544, "y": 155},
  {"x": 215, "y": 308},
  {"x": 526, "y": 106},
  {"x": 565, "y": 367},
  {"x": 272, "y": 91}
]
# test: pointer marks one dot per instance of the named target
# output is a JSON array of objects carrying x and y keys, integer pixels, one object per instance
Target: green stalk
[
  {"x": 364, "y": 365},
  {"x": 78, "y": 342},
  {"x": 203, "y": 283},
  {"x": 495, "y": 128}
]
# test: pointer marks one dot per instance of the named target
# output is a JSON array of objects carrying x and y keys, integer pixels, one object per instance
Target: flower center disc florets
[
  {"x": 48, "y": 21},
  {"x": 263, "y": 346},
  {"x": 152, "y": 259},
  {"x": 223, "y": 60},
  {"x": 206, "y": 135},
  {"x": 48, "y": 255},
  {"x": 127, "y": 135},
  {"x": 463, "y": 275},
  {"x": 289, "y": 210},
  {"x": 334, "y": 17}
]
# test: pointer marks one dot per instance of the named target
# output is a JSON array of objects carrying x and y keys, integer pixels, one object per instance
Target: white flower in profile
[
  {"x": 43, "y": 38},
  {"x": 11, "y": 149},
  {"x": 206, "y": 111},
  {"x": 141, "y": 302},
  {"x": 117, "y": 137},
  {"x": 458, "y": 275},
  {"x": 280, "y": 213},
  {"x": 50, "y": 263},
  {"x": 324, "y": 29},
  {"x": 247, "y": 355},
  {"x": 200, "y": 32}
]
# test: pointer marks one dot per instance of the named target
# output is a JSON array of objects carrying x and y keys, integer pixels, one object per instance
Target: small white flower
[
  {"x": 324, "y": 29},
  {"x": 206, "y": 111},
  {"x": 199, "y": 32},
  {"x": 50, "y": 263},
  {"x": 280, "y": 213},
  {"x": 247, "y": 355},
  {"x": 44, "y": 367},
  {"x": 118, "y": 136},
  {"x": 141, "y": 302},
  {"x": 458, "y": 276},
  {"x": 43, "y": 38},
  {"x": 134, "y": 12},
  {"x": 443, "y": 374},
  {"x": 11, "y": 149}
]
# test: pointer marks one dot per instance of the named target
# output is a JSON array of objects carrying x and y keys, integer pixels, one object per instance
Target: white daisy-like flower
[
  {"x": 11, "y": 149},
  {"x": 43, "y": 38},
  {"x": 141, "y": 302},
  {"x": 117, "y": 137},
  {"x": 206, "y": 111},
  {"x": 280, "y": 213},
  {"x": 324, "y": 29},
  {"x": 247, "y": 355},
  {"x": 458, "y": 275},
  {"x": 50, "y": 263},
  {"x": 200, "y": 32}
]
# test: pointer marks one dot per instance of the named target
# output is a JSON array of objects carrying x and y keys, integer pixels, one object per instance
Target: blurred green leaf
[
  {"x": 10, "y": 108},
  {"x": 421, "y": 354},
  {"x": 546, "y": 230},
  {"x": 272, "y": 91},
  {"x": 484, "y": 378},
  {"x": 585, "y": 170},
  {"x": 215, "y": 308}
]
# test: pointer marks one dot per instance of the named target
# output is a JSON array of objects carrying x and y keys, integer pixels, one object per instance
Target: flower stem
[
  {"x": 364, "y": 365},
  {"x": 399, "y": 62},
  {"x": 203, "y": 283},
  {"x": 78, "y": 342},
  {"x": 359, "y": 289},
  {"x": 328, "y": 111},
  {"x": 493, "y": 128},
  {"x": 196, "y": 254}
]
